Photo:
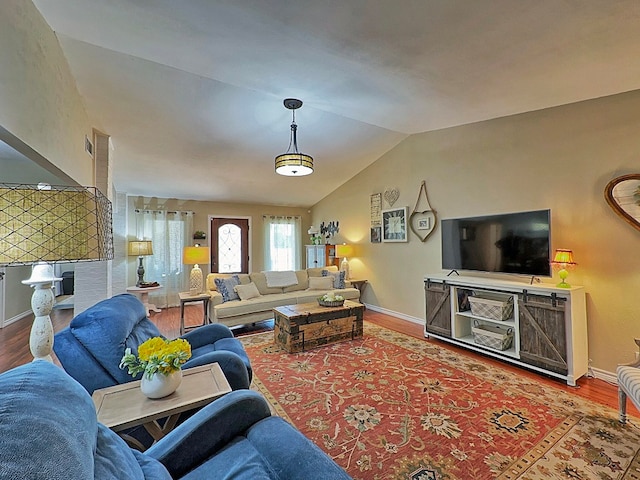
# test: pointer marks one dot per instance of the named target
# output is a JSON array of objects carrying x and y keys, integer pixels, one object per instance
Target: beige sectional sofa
[{"x": 259, "y": 308}]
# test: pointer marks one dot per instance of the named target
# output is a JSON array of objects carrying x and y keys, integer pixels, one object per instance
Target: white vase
[{"x": 161, "y": 385}]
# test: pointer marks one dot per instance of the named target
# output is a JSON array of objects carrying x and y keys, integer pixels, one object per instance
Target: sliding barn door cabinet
[{"x": 540, "y": 327}]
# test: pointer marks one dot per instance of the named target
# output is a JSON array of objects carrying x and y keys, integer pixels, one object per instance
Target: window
[{"x": 282, "y": 242}]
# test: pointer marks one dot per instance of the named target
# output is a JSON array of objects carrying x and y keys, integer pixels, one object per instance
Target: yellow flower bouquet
[{"x": 157, "y": 355}]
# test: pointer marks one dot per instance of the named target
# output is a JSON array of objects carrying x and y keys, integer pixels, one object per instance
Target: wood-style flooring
[{"x": 14, "y": 346}]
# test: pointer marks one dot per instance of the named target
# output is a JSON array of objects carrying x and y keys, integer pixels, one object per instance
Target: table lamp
[
  {"x": 41, "y": 224},
  {"x": 194, "y": 256},
  {"x": 140, "y": 248},
  {"x": 563, "y": 259},
  {"x": 343, "y": 251}
]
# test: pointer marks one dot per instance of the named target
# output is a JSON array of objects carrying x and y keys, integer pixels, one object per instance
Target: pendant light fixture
[{"x": 293, "y": 163}]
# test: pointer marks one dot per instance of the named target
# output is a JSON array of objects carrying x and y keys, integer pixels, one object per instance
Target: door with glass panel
[{"x": 229, "y": 245}]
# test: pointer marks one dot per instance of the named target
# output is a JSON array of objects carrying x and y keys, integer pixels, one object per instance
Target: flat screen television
[{"x": 518, "y": 243}]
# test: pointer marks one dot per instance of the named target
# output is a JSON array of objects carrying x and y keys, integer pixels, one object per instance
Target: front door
[{"x": 229, "y": 245}]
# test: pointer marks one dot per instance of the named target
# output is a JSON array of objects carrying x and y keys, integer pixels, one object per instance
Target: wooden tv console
[{"x": 549, "y": 324}]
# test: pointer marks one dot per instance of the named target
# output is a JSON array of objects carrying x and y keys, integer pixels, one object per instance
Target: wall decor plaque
[{"x": 423, "y": 218}]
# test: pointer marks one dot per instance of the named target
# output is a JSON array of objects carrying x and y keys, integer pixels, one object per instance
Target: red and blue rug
[{"x": 390, "y": 406}]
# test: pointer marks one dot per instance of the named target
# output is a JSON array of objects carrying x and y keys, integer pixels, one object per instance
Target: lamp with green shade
[{"x": 563, "y": 259}]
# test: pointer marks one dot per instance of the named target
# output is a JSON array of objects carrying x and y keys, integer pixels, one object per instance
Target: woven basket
[
  {"x": 492, "y": 336},
  {"x": 335, "y": 303},
  {"x": 493, "y": 307}
]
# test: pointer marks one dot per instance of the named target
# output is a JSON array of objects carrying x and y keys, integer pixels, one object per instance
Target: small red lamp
[{"x": 563, "y": 259}]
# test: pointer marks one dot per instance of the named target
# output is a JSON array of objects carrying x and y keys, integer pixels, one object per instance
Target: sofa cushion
[
  {"x": 211, "y": 279},
  {"x": 338, "y": 278},
  {"x": 245, "y": 292},
  {"x": 226, "y": 287},
  {"x": 260, "y": 280},
  {"x": 320, "y": 283},
  {"x": 317, "y": 271},
  {"x": 258, "y": 304},
  {"x": 303, "y": 282},
  {"x": 114, "y": 459},
  {"x": 238, "y": 459},
  {"x": 311, "y": 296}
]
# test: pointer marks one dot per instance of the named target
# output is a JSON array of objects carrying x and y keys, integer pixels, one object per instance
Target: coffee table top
[
  {"x": 313, "y": 308},
  {"x": 124, "y": 406}
]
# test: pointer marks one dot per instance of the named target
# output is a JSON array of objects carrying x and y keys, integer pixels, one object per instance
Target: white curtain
[
  {"x": 169, "y": 233},
  {"x": 282, "y": 237}
]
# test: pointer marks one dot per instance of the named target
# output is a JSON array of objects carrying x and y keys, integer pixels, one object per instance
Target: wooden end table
[
  {"x": 143, "y": 292},
  {"x": 359, "y": 284},
  {"x": 124, "y": 406},
  {"x": 186, "y": 297}
]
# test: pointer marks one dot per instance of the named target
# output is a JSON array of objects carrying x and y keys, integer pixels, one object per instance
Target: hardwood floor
[{"x": 14, "y": 347}]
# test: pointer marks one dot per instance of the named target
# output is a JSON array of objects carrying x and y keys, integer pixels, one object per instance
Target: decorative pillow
[
  {"x": 245, "y": 292},
  {"x": 226, "y": 286},
  {"x": 320, "y": 283},
  {"x": 338, "y": 278}
]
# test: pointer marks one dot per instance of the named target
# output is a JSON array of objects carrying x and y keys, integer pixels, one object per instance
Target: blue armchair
[
  {"x": 91, "y": 348},
  {"x": 49, "y": 430}
]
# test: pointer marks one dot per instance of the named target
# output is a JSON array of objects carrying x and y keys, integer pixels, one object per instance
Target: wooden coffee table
[
  {"x": 124, "y": 406},
  {"x": 308, "y": 325}
]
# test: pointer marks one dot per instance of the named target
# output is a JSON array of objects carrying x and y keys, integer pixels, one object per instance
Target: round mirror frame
[{"x": 613, "y": 203}]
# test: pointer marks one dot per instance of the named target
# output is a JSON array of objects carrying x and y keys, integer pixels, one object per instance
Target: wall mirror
[{"x": 623, "y": 196}]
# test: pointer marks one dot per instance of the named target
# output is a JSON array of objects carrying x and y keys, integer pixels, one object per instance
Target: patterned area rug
[{"x": 390, "y": 406}]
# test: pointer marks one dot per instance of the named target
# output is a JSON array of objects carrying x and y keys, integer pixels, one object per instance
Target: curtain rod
[{"x": 186, "y": 212}]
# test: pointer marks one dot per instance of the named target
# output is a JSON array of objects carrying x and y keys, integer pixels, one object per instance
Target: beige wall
[
  {"x": 39, "y": 102},
  {"x": 202, "y": 211},
  {"x": 17, "y": 296},
  {"x": 40, "y": 105},
  {"x": 558, "y": 158}
]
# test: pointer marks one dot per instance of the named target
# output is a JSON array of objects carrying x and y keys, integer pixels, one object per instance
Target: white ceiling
[{"x": 191, "y": 92}]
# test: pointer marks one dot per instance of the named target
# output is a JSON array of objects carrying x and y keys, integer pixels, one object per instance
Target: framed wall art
[
  {"x": 394, "y": 224},
  {"x": 376, "y": 218}
]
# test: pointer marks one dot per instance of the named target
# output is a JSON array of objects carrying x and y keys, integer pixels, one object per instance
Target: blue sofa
[
  {"x": 49, "y": 431},
  {"x": 91, "y": 348}
]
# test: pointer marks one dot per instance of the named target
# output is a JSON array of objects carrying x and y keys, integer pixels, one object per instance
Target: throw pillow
[
  {"x": 225, "y": 287},
  {"x": 245, "y": 292},
  {"x": 338, "y": 278},
  {"x": 320, "y": 283}
]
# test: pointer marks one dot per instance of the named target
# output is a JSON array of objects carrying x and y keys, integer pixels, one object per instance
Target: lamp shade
[
  {"x": 294, "y": 164},
  {"x": 53, "y": 224},
  {"x": 563, "y": 256},
  {"x": 140, "y": 247},
  {"x": 344, "y": 251},
  {"x": 40, "y": 224},
  {"x": 195, "y": 255}
]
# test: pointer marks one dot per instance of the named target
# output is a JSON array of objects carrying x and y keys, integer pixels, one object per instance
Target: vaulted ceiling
[{"x": 191, "y": 92}]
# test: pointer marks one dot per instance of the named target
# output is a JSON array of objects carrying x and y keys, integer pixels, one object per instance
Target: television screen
[{"x": 506, "y": 243}]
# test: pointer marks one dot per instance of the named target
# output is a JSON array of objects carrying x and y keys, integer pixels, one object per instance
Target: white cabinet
[
  {"x": 320, "y": 255},
  {"x": 548, "y": 324}
]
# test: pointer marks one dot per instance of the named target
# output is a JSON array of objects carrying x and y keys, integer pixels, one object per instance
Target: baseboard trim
[
  {"x": 604, "y": 375},
  {"x": 392, "y": 313},
  {"x": 20, "y": 316}
]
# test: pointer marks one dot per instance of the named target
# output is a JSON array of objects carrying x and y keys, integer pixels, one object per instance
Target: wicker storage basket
[
  {"x": 493, "y": 307},
  {"x": 335, "y": 303},
  {"x": 492, "y": 336}
]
